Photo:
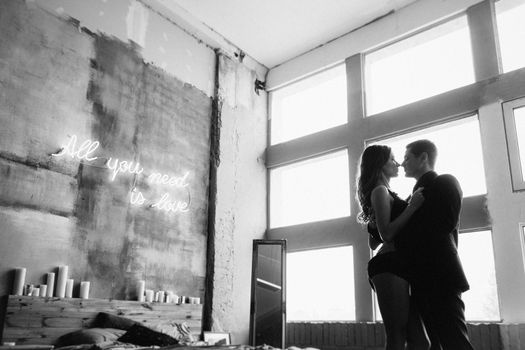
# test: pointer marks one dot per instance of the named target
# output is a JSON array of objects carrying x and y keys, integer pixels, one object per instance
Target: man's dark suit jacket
[{"x": 429, "y": 240}]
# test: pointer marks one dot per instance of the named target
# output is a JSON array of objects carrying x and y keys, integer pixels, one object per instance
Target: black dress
[{"x": 392, "y": 261}]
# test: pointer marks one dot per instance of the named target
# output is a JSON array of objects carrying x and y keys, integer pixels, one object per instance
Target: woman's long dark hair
[{"x": 370, "y": 172}]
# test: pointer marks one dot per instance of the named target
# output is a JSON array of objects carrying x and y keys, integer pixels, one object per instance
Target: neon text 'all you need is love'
[{"x": 85, "y": 152}]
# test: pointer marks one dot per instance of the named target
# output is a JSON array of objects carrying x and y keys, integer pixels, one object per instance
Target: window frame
[
  {"x": 511, "y": 134},
  {"x": 522, "y": 240},
  {"x": 483, "y": 97},
  {"x": 509, "y": 6},
  {"x": 479, "y": 230},
  {"x": 436, "y": 124},
  {"x": 354, "y": 281},
  {"x": 296, "y": 162},
  {"x": 294, "y": 87},
  {"x": 405, "y": 37}
]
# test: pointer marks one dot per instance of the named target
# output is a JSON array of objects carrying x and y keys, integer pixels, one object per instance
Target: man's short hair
[{"x": 427, "y": 146}]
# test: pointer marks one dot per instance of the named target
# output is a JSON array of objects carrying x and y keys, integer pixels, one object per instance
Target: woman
[{"x": 385, "y": 214}]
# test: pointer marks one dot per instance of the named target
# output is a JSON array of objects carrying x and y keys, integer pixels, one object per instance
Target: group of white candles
[
  {"x": 161, "y": 296},
  {"x": 62, "y": 289}
]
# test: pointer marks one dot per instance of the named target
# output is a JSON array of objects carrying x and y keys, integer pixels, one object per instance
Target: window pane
[
  {"x": 424, "y": 65},
  {"x": 511, "y": 32},
  {"x": 311, "y": 190},
  {"x": 311, "y": 105},
  {"x": 519, "y": 120},
  {"x": 477, "y": 257},
  {"x": 320, "y": 285},
  {"x": 459, "y": 154}
]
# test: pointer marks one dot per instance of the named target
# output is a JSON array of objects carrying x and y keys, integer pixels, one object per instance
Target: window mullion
[
  {"x": 485, "y": 48},
  {"x": 355, "y": 138}
]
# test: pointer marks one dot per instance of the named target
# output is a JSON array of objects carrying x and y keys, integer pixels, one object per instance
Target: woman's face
[{"x": 391, "y": 168}]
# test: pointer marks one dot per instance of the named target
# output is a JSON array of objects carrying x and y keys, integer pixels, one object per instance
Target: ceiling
[{"x": 275, "y": 31}]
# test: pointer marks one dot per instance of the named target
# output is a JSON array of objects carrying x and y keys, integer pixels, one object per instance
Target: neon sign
[
  {"x": 170, "y": 206},
  {"x": 123, "y": 166},
  {"x": 158, "y": 178},
  {"x": 136, "y": 197},
  {"x": 84, "y": 152}
]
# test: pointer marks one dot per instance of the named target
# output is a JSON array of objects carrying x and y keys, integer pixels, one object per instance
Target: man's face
[{"x": 411, "y": 164}]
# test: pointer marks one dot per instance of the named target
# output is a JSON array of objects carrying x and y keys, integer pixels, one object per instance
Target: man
[{"x": 429, "y": 242}]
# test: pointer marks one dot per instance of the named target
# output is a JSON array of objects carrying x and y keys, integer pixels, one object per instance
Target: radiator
[{"x": 370, "y": 335}]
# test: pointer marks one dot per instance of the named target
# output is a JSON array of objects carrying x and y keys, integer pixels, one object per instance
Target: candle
[
  {"x": 18, "y": 283},
  {"x": 35, "y": 292},
  {"x": 84, "y": 289},
  {"x": 175, "y": 298},
  {"x": 50, "y": 284},
  {"x": 69, "y": 288},
  {"x": 168, "y": 297},
  {"x": 161, "y": 296},
  {"x": 29, "y": 289},
  {"x": 149, "y": 295},
  {"x": 141, "y": 285},
  {"x": 61, "y": 281},
  {"x": 43, "y": 290}
]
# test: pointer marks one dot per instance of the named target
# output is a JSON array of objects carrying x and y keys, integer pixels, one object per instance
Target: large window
[
  {"x": 312, "y": 190},
  {"x": 311, "y": 105},
  {"x": 459, "y": 153},
  {"x": 320, "y": 285},
  {"x": 424, "y": 65},
  {"x": 511, "y": 32},
  {"x": 418, "y": 84},
  {"x": 477, "y": 257},
  {"x": 514, "y": 114}
]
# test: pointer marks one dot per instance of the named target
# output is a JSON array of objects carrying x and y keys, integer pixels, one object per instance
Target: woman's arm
[
  {"x": 373, "y": 243},
  {"x": 374, "y": 239},
  {"x": 381, "y": 204}
]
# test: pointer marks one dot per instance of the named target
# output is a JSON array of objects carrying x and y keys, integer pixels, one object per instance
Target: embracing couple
[{"x": 416, "y": 274}]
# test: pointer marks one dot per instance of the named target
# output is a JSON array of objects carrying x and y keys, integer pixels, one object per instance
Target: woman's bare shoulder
[{"x": 380, "y": 189}]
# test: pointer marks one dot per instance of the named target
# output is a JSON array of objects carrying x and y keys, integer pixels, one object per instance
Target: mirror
[{"x": 268, "y": 307}]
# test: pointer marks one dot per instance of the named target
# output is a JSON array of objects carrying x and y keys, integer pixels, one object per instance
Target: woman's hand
[{"x": 417, "y": 199}]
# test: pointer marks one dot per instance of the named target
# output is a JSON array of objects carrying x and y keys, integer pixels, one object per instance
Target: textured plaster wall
[
  {"x": 240, "y": 201},
  {"x": 162, "y": 42},
  {"x": 58, "y": 81},
  {"x": 69, "y": 67}
]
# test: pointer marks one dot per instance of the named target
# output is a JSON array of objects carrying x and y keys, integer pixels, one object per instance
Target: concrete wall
[
  {"x": 144, "y": 88},
  {"x": 240, "y": 200},
  {"x": 162, "y": 41},
  {"x": 59, "y": 82}
]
